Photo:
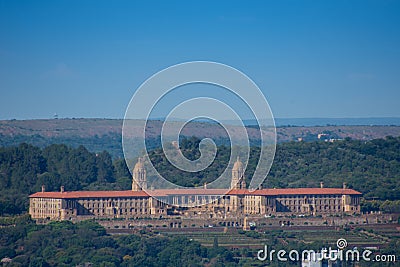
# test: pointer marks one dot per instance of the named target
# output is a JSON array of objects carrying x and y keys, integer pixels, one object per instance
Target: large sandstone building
[{"x": 200, "y": 203}]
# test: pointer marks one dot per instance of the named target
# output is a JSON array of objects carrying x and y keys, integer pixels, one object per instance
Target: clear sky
[{"x": 310, "y": 58}]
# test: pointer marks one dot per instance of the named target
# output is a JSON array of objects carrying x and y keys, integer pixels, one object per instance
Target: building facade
[{"x": 234, "y": 202}]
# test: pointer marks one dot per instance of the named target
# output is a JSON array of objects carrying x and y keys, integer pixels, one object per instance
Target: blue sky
[{"x": 310, "y": 58}]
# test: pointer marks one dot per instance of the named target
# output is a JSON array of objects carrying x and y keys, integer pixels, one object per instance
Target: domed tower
[
  {"x": 238, "y": 181},
  {"x": 139, "y": 179}
]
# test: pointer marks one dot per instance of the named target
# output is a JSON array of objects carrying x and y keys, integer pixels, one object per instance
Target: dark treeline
[
  {"x": 371, "y": 167},
  {"x": 24, "y": 169}
]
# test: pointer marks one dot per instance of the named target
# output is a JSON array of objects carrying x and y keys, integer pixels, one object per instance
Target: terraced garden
[{"x": 236, "y": 238}]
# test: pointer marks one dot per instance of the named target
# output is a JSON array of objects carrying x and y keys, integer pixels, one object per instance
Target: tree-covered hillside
[
  {"x": 24, "y": 169},
  {"x": 371, "y": 167}
]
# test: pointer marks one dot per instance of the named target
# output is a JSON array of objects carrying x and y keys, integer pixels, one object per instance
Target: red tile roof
[
  {"x": 296, "y": 191},
  {"x": 89, "y": 194},
  {"x": 195, "y": 191}
]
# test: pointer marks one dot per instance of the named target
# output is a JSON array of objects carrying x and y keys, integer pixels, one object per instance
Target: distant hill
[
  {"x": 337, "y": 121},
  {"x": 105, "y": 134}
]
